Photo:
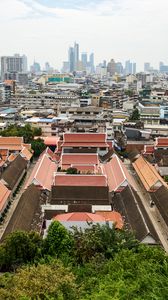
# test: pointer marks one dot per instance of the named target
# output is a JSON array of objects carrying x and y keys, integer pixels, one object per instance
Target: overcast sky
[{"x": 119, "y": 29}]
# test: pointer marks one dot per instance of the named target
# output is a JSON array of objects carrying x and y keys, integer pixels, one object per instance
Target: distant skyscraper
[
  {"x": 111, "y": 67},
  {"x": 13, "y": 65},
  {"x": 84, "y": 59},
  {"x": 119, "y": 68},
  {"x": 71, "y": 59},
  {"x": 134, "y": 68},
  {"x": 91, "y": 62},
  {"x": 147, "y": 67},
  {"x": 76, "y": 55},
  {"x": 35, "y": 68},
  {"x": 128, "y": 67}
]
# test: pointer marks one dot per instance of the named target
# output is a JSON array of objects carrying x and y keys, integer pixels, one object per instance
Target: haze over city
[{"x": 119, "y": 29}]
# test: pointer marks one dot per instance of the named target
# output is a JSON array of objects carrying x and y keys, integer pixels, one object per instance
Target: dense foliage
[
  {"x": 100, "y": 263},
  {"x": 28, "y": 133},
  {"x": 135, "y": 116}
]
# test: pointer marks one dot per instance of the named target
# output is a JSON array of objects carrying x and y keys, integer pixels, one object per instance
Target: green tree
[
  {"x": 51, "y": 281},
  {"x": 72, "y": 171},
  {"x": 101, "y": 240},
  {"x": 38, "y": 146},
  {"x": 58, "y": 241},
  {"x": 18, "y": 248},
  {"x": 135, "y": 115}
]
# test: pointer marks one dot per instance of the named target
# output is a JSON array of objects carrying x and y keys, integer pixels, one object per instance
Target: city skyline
[{"x": 119, "y": 29}]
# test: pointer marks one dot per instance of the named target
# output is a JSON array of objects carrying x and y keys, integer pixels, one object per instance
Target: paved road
[
  {"x": 153, "y": 213},
  {"x": 15, "y": 202}
]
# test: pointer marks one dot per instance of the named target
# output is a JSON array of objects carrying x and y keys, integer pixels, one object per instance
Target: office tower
[
  {"x": 134, "y": 68},
  {"x": 91, "y": 62},
  {"x": 11, "y": 65},
  {"x": 128, "y": 67},
  {"x": 104, "y": 63},
  {"x": 111, "y": 67},
  {"x": 71, "y": 60},
  {"x": 47, "y": 67},
  {"x": 76, "y": 56},
  {"x": 147, "y": 67},
  {"x": 65, "y": 67},
  {"x": 35, "y": 68},
  {"x": 161, "y": 64},
  {"x": 119, "y": 68},
  {"x": 84, "y": 59}
]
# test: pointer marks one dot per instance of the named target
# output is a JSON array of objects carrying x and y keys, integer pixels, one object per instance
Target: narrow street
[
  {"x": 15, "y": 201},
  {"x": 153, "y": 213}
]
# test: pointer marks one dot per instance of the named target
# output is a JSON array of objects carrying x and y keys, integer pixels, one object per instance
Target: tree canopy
[{"x": 99, "y": 263}]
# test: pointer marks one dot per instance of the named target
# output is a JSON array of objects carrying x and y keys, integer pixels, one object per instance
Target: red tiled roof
[
  {"x": 25, "y": 153},
  {"x": 148, "y": 149},
  {"x": 81, "y": 159},
  {"x": 117, "y": 174},
  {"x": 113, "y": 216},
  {"x": 51, "y": 140},
  {"x": 4, "y": 154},
  {"x": 84, "y": 137},
  {"x": 87, "y": 144},
  {"x": 79, "y": 217},
  {"x": 43, "y": 173},
  {"x": 80, "y": 180},
  {"x": 11, "y": 143},
  {"x": 4, "y": 195},
  {"x": 161, "y": 142}
]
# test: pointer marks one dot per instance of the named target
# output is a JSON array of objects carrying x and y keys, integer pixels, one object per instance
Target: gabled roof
[
  {"x": 80, "y": 159},
  {"x": 112, "y": 216},
  {"x": 161, "y": 142},
  {"x": 13, "y": 172},
  {"x": 84, "y": 137},
  {"x": 11, "y": 143},
  {"x": 49, "y": 153},
  {"x": 116, "y": 173},
  {"x": 148, "y": 174},
  {"x": 129, "y": 205},
  {"x": 84, "y": 140},
  {"x": 25, "y": 153},
  {"x": 80, "y": 180},
  {"x": 51, "y": 140},
  {"x": 4, "y": 195},
  {"x": 43, "y": 173},
  {"x": 80, "y": 216},
  {"x": 25, "y": 211},
  {"x": 148, "y": 149}
]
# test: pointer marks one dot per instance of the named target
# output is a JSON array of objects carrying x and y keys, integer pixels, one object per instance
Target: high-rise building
[
  {"x": 91, "y": 62},
  {"x": 71, "y": 59},
  {"x": 84, "y": 59},
  {"x": 134, "y": 68},
  {"x": 35, "y": 68},
  {"x": 12, "y": 65},
  {"x": 76, "y": 56},
  {"x": 128, "y": 67},
  {"x": 111, "y": 67},
  {"x": 119, "y": 68},
  {"x": 147, "y": 67}
]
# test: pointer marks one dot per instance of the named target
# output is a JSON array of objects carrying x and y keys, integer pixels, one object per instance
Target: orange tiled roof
[
  {"x": 148, "y": 174},
  {"x": 25, "y": 153},
  {"x": 79, "y": 217},
  {"x": 113, "y": 216}
]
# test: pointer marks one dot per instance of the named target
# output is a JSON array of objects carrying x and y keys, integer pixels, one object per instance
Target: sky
[{"x": 119, "y": 29}]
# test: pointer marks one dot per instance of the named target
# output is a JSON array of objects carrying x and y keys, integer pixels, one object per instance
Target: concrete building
[{"x": 12, "y": 65}]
